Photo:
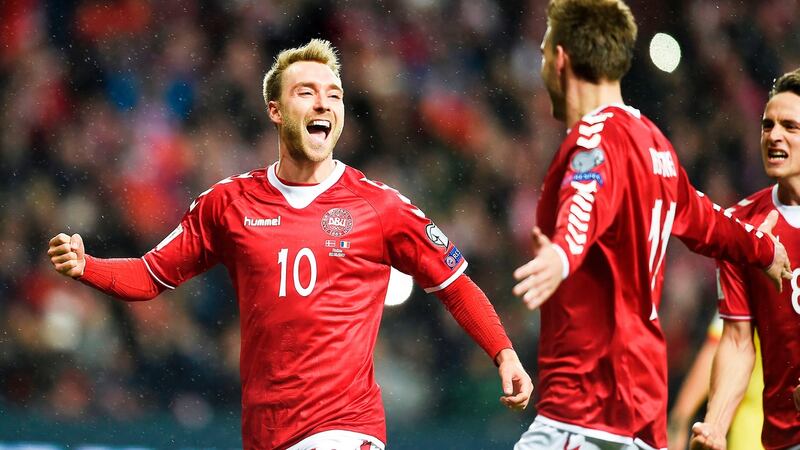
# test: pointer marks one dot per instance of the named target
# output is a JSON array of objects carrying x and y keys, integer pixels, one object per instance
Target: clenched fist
[{"x": 67, "y": 255}]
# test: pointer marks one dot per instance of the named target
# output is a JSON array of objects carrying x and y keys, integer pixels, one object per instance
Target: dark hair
[
  {"x": 788, "y": 82},
  {"x": 598, "y": 36}
]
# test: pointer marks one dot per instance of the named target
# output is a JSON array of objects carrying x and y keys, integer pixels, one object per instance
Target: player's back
[{"x": 602, "y": 352}]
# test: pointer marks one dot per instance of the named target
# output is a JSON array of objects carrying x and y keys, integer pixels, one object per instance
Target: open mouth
[
  {"x": 776, "y": 155},
  {"x": 319, "y": 129}
]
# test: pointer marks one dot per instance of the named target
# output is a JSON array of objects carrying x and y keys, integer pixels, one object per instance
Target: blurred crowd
[{"x": 116, "y": 114}]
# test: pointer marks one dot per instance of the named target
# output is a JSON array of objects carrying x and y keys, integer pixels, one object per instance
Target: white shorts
[
  {"x": 339, "y": 440},
  {"x": 549, "y": 434}
]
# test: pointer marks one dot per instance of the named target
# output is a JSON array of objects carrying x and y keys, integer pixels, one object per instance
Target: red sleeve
[
  {"x": 124, "y": 278},
  {"x": 414, "y": 244},
  {"x": 733, "y": 304},
  {"x": 706, "y": 229},
  {"x": 588, "y": 199},
  {"x": 473, "y": 311},
  {"x": 190, "y": 248}
]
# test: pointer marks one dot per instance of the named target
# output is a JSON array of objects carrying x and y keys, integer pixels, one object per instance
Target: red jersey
[
  {"x": 748, "y": 295},
  {"x": 310, "y": 266},
  {"x": 612, "y": 196}
]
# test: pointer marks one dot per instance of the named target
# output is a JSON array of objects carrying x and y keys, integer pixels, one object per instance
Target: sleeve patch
[
  {"x": 453, "y": 257},
  {"x": 586, "y": 160},
  {"x": 588, "y": 176},
  {"x": 436, "y": 235}
]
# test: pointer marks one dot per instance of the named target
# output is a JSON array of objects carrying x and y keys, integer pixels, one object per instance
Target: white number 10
[
  {"x": 659, "y": 234},
  {"x": 305, "y": 252}
]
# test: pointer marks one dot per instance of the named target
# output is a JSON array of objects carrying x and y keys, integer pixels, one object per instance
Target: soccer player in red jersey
[
  {"x": 613, "y": 195},
  {"x": 747, "y": 303},
  {"x": 309, "y": 243}
]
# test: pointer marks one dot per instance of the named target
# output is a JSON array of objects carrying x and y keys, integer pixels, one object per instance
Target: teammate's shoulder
[
  {"x": 756, "y": 204},
  {"x": 604, "y": 123}
]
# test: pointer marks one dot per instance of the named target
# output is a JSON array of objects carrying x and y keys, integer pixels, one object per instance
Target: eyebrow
[{"x": 312, "y": 84}]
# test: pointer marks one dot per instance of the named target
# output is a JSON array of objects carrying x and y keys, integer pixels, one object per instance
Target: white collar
[
  {"x": 301, "y": 196},
  {"x": 790, "y": 213}
]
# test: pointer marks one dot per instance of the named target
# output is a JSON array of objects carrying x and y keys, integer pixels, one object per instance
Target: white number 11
[{"x": 659, "y": 234}]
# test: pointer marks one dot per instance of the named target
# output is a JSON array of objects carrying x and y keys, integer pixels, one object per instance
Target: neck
[
  {"x": 583, "y": 97},
  {"x": 789, "y": 191},
  {"x": 304, "y": 171}
]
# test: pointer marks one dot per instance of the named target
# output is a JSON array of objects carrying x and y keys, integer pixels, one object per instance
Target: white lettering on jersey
[
  {"x": 248, "y": 222},
  {"x": 402, "y": 197},
  {"x": 663, "y": 163},
  {"x": 579, "y": 215},
  {"x": 795, "y": 291}
]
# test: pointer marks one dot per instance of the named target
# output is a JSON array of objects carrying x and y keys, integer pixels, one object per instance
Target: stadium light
[
  {"x": 665, "y": 52},
  {"x": 400, "y": 286}
]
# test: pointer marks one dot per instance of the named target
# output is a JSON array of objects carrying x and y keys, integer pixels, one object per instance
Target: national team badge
[
  {"x": 436, "y": 236},
  {"x": 337, "y": 222},
  {"x": 587, "y": 160}
]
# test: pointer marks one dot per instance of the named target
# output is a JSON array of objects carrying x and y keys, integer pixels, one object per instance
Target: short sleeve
[
  {"x": 416, "y": 246},
  {"x": 733, "y": 304},
  {"x": 190, "y": 248}
]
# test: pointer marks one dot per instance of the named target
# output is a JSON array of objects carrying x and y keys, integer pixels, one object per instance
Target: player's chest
[{"x": 270, "y": 233}]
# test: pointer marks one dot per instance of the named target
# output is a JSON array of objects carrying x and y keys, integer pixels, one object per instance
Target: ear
[
  {"x": 274, "y": 112},
  {"x": 562, "y": 60}
]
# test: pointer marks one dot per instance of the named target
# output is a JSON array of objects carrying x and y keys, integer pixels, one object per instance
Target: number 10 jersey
[{"x": 310, "y": 265}]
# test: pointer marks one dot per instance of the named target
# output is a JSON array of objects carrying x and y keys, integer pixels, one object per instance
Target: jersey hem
[
  {"x": 337, "y": 433},
  {"x": 449, "y": 280},
  {"x": 152, "y": 274},
  {"x": 593, "y": 433},
  {"x": 736, "y": 317}
]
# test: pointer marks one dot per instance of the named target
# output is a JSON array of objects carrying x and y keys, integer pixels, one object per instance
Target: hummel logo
[{"x": 248, "y": 222}]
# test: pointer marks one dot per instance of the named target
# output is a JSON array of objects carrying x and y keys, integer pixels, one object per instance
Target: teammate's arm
[
  {"x": 588, "y": 200},
  {"x": 730, "y": 374},
  {"x": 706, "y": 229}
]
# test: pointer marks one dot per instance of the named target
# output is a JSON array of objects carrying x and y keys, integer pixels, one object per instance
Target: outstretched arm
[
  {"x": 730, "y": 374},
  {"x": 472, "y": 310},
  {"x": 722, "y": 236},
  {"x": 124, "y": 278},
  {"x": 541, "y": 276}
]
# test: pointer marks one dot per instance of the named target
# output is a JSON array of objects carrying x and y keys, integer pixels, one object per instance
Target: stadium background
[{"x": 115, "y": 115}]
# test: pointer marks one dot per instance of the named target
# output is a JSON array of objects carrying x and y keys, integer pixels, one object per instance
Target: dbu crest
[{"x": 337, "y": 222}]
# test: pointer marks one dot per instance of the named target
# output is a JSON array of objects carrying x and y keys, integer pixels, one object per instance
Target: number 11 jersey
[
  {"x": 310, "y": 265},
  {"x": 612, "y": 197}
]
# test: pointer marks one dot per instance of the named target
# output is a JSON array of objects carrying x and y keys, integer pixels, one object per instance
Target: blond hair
[
  {"x": 317, "y": 50},
  {"x": 598, "y": 36}
]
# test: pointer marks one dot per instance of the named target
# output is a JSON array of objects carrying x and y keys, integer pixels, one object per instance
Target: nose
[
  {"x": 775, "y": 134},
  {"x": 321, "y": 103}
]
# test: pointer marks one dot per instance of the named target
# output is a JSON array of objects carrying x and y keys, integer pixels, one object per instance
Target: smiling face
[
  {"x": 780, "y": 136},
  {"x": 309, "y": 112}
]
